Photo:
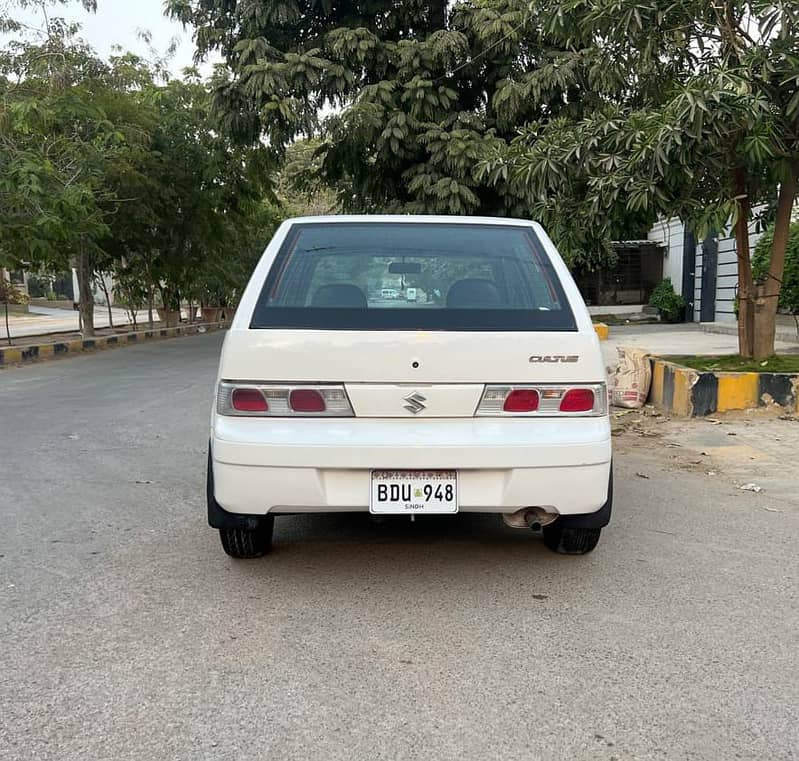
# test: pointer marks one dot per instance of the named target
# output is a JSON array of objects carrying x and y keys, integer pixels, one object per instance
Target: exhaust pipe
[{"x": 529, "y": 517}]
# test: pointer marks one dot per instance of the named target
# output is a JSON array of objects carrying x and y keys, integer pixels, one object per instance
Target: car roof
[{"x": 411, "y": 218}]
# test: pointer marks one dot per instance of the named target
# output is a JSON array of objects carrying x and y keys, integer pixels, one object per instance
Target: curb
[
  {"x": 602, "y": 330},
  {"x": 16, "y": 355},
  {"x": 684, "y": 392}
]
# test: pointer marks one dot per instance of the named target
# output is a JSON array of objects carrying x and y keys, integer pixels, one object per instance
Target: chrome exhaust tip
[{"x": 529, "y": 517}]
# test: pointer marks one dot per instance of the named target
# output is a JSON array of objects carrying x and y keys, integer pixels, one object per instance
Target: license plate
[{"x": 400, "y": 492}]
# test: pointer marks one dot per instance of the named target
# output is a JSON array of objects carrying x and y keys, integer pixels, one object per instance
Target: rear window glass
[{"x": 407, "y": 276}]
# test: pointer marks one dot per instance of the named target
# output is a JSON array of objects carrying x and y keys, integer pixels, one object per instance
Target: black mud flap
[{"x": 218, "y": 517}]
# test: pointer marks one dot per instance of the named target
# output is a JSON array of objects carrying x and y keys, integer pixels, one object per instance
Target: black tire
[
  {"x": 570, "y": 541},
  {"x": 246, "y": 543}
]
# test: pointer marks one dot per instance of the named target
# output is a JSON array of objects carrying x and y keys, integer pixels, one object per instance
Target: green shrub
[
  {"x": 789, "y": 293},
  {"x": 11, "y": 294},
  {"x": 668, "y": 302}
]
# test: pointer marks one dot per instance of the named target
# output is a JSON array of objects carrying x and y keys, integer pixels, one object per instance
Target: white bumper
[{"x": 281, "y": 465}]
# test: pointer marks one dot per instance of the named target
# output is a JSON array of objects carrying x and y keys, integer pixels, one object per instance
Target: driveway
[{"x": 127, "y": 634}]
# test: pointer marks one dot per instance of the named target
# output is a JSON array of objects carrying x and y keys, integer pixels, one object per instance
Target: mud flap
[
  {"x": 218, "y": 517},
  {"x": 599, "y": 519}
]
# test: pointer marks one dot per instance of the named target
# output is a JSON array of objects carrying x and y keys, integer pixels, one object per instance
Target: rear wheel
[
  {"x": 246, "y": 543},
  {"x": 570, "y": 541}
]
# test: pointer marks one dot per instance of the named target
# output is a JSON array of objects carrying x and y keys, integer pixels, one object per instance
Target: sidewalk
[
  {"x": 46, "y": 320},
  {"x": 688, "y": 338},
  {"x": 786, "y": 328}
]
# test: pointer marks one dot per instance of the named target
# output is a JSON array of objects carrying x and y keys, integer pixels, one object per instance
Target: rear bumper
[{"x": 302, "y": 466}]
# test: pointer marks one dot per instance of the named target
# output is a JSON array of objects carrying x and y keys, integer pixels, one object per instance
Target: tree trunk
[
  {"x": 150, "y": 303},
  {"x": 107, "y": 300},
  {"x": 768, "y": 301},
  {"x": 85, "y": 293},
  {"x": 746, "y": 317},
  {"x": 8, "y": 329},
  {"x": 438, "y": 14}
]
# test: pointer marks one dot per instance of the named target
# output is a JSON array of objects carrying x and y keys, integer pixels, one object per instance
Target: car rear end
[{"x": 486, "y": 393}]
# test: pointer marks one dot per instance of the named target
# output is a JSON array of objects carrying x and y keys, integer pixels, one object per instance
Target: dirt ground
[{"x": 753, "y": 451}]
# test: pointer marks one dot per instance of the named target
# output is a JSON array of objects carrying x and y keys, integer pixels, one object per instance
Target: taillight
[
  {"x": 306, "y": 400},
  {"x": 543, "y": 400},
  {"x": 242, "y": 399},
  {"x": 521, "y": 400},
  {"x": 248, "y": 400},
  {"x": 578, "y": 400}
]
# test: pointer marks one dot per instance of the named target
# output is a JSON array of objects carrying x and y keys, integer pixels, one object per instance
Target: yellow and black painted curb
[
  {"x": 16, "y": 355},
  {"x": 602, "y": 330},
  {"x": 690, "y": 393}
]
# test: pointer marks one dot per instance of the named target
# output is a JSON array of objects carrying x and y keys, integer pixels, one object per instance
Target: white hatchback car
[{"x": 487, "y": 397}]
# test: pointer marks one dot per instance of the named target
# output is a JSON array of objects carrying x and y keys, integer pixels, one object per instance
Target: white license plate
[{"x": 400, "y": 492}]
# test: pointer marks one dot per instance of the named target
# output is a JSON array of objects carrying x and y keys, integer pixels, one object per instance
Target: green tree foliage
[
  {"x": 761, "y": 260},
  {"x": 64, "y": 125},
  {"x": 301, "y": 187},
  {"x": 186, "y": 197},
  {"x": 105, "y": 168},
  {"x": 420, "y": 93},
  {"x": 699, "y": 118}
]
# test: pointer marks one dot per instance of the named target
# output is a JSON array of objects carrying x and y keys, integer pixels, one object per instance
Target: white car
[{"x": 491, "y": 399}]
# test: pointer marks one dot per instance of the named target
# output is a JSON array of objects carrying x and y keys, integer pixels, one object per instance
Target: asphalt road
[{"x": 126, "y": 633}]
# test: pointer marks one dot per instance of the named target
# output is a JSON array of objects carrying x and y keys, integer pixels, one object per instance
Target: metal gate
[{"x": 710, "y": 260}]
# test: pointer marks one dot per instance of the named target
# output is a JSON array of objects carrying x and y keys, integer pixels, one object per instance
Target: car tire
[
  {"x": 247, "y": 543},
  {"x": 570, "y": 541}
]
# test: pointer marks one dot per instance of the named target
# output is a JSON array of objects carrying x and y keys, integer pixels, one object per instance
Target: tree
[
  {"x": 189, "y": 194},
  {"x": 421, "y": 91},
  {"x": 301, "y": 187},
  {"x": 704, "y": 125},
  {"x": 10, "y": 294},
  {"x": 58, "y": 138}
]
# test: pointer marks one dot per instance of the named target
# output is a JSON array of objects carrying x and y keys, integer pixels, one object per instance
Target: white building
[{"x": 705, "y": 272}]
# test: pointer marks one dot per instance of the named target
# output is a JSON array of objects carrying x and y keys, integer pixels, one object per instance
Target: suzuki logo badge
[{"x": 415, "y": 403}]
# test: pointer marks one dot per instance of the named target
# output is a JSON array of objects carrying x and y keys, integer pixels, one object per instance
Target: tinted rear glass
[{"x": 406, "y": 276}]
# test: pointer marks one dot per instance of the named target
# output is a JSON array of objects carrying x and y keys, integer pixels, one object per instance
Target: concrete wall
[
  {"x": 727, "y": 274},
  {"x": 99, "y": 296},
  {"x": 669, "y": 233}
]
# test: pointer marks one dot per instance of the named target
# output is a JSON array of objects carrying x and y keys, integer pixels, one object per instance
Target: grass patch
[{"x": 735, "y": 363}]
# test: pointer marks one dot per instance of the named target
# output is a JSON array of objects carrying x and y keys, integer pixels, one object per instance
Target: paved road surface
[{"x": 127, "y": 634}]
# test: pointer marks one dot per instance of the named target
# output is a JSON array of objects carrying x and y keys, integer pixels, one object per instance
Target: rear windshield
[{"x": 407, "y": 276}]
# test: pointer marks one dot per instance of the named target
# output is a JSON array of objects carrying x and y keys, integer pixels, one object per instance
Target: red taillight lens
[
  {"x": 248, "y": 400},
  {"x": 522, "y": 400},
  {"x": 578, "y": 400},
  {"x": 306, "y": 400}
]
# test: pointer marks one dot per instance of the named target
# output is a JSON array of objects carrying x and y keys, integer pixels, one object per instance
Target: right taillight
[
  {"x": 578, "y": 400},
  {"x": 543, "y": 400}
]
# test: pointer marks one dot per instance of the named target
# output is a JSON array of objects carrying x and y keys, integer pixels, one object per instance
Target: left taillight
[
  {"x": 241, "y": 399},
  {"x": 248, "y": 400}
]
